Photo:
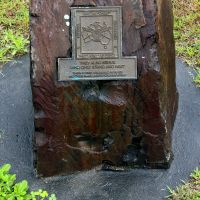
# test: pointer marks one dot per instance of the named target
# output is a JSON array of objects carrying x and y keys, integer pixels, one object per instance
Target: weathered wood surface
[{"x": 78, "y": 125}]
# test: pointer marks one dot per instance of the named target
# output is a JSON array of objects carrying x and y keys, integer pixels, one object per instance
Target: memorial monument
[{"x": 103, "y": 82}]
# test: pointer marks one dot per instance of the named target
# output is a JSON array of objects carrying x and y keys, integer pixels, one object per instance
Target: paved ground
[{"x": 16, "y": 125}]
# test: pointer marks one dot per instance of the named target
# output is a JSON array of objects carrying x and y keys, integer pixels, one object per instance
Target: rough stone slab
[
  {"x": 80, "y": 125},
  {"x": 16, "y": 125}
]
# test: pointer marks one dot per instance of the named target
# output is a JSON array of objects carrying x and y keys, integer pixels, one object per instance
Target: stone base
[{"x": 80, "y": 125}]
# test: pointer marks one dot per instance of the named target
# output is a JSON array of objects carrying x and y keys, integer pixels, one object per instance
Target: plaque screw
[
  {"x": 66, "y": 17},
  {"x": 68, "y": 23}
]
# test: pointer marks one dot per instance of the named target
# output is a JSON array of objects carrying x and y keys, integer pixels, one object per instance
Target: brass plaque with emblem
[{"x": 97, "y": 47}]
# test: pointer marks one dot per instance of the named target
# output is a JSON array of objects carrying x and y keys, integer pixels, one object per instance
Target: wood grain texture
[{"x": 78, "y": 125}]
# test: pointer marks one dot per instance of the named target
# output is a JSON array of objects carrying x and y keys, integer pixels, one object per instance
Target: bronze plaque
[{"x": 97, "y": 47}]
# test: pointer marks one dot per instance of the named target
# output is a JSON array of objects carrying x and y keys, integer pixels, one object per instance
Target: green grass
[
  {"x": 14, "y": 28},
  {"x": 187, "y": 30},
  {"x": 197, "y": 78},
  {"x": 188, "y": 191}
]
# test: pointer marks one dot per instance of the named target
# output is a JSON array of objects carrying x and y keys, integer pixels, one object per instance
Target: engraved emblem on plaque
[
  {"x": 97, "y": 33},
  {"x": 97, "y": 47}
]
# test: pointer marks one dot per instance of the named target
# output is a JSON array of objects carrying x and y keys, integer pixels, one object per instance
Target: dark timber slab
[{"x": 78, "y": 125}]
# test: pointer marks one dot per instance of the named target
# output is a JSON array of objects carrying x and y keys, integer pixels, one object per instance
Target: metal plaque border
[{"x": 73, "y": 27}]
